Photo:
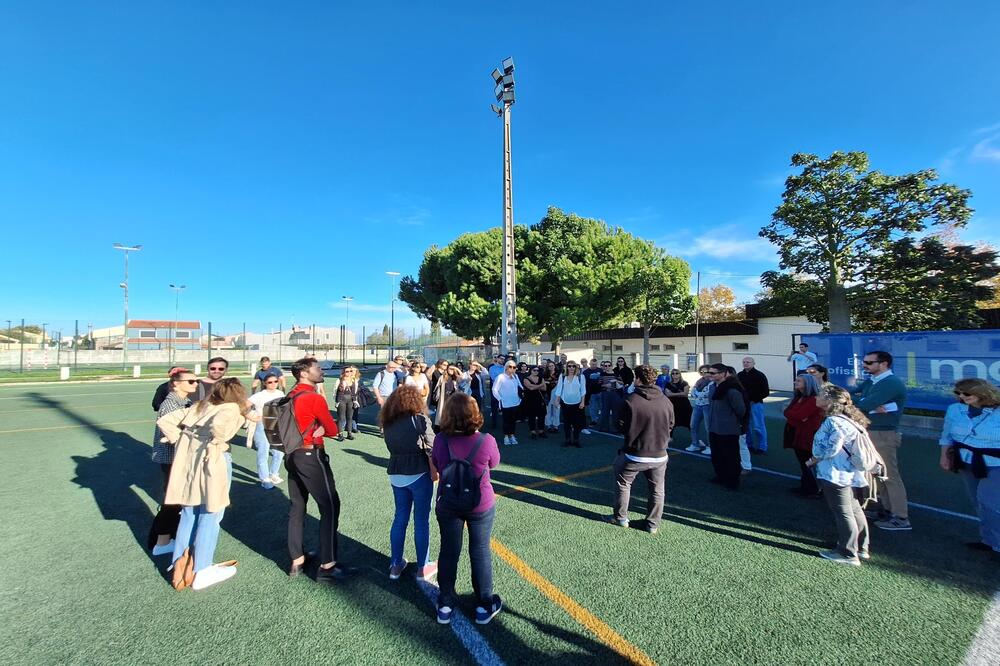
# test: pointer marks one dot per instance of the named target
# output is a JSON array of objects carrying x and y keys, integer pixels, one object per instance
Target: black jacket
[
  {"x": 754, "y": 383},
  {"x": 646, "y": 419}
]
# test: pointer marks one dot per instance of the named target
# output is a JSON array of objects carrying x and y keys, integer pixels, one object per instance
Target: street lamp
[
  {"x": 177, "y": 304},
  {"x": 42, "y": 346},
  {"x": 9, "y": 331},
  {"x": 504, "y": 92},
  {"x": 347, "y": 321},
  {"x": 124, "y": 285},
  {"x": 392, "y": 314}
]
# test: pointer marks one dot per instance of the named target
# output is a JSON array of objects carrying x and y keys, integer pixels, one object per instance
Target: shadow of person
[
  {"x": 591, "y": 651},
  {"x": 368, "y": 457}
]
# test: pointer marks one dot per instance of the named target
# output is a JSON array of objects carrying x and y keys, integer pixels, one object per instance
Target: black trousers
[
  {"x": 510, "y": 415},
  {"x": 726, "y": 458},
  {"x": 808, "y": 481},
  {"x": 166, "y": 519},
  {"x": 345, "y": 416},
  {"x": 573, "y": 419},
  {"x": 309, "y": 473},
  {"x": 494, "y": 410}
]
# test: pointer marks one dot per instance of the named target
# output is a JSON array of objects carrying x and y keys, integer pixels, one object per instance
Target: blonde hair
[
  {"x": 839, "y": 404},
  {"x": 988, "y": 394},
  {"x": 225, "y": 390}
]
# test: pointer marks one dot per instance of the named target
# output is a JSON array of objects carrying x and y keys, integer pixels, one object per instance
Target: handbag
[{"x": 183, "y": 570}]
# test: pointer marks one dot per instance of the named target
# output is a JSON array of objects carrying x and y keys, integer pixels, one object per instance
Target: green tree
[
  {"x": 661, "y": 292},
  {"x": 837, "y": 218},
  {"x": 718, "y": 303}
]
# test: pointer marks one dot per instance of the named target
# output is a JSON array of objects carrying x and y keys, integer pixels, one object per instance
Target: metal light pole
[
  {"x": 347, "y": 318},
  {"x": 504, "y": 92},
  {"x": 8, "y": 334},
  {"x": 392, "y": 314},
  {"x": 42, "y": 345},
  {"x": 178, "y": 288},
  {"x": 124, "y": 285}
]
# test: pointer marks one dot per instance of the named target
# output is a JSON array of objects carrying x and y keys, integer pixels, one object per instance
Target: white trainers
[
  {"x": 506, "y": 440},
  {"x": 707, "y": 451},
  {"x": 693, "y": 448},
  {"x": 164, "y": 549},
  {"x": 585, "y": 431},
  {"x": 702, "y": 444},
  {"x": 212, "y": 575},
  {"x": 275, "y": 479},
  {"x": 266, "y": 484},
  {"x": 513, "y": 440}
]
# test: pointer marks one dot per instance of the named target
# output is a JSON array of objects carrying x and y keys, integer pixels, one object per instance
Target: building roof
[{"x": 162, "y": 323}]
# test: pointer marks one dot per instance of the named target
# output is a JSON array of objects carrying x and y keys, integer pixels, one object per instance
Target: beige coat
[{"x": 199, "y": 475}]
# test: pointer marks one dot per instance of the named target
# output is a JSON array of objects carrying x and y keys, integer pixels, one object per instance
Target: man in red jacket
[{"x": 309, "y": 473}]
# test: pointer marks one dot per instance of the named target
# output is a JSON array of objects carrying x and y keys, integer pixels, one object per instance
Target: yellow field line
[
  {"x": 552, "y": 480},
  {"x": 595, "y": 625},
  {"x": 67, "y": 427}
]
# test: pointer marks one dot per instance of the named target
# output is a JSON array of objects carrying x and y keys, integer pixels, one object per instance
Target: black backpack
[
  {"x": 458, "y": 487},
  {"x": 280, "y": 427}
]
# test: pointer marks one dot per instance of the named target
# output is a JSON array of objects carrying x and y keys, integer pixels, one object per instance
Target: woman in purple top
[{"x": 459, "y": 425}]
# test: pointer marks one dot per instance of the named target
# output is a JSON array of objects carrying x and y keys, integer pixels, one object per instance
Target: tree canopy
[
  {"x": 718, "y": 303},
  {"x": 838, "y": 220},
  {"x": 573, "y": 273}
]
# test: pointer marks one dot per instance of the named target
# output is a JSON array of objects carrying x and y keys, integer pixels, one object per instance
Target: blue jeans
[
  {"x": 415, "y": 497},
  {"x": 260, "y": 443},
  {"x": 985, "y": 495},
  {"x": 202, "y": 528},
  {"x": 757, "y": 437},
  {"x": 699, "y": 417},
  {"x": 480, "y": 527},
  {"x": 594, "y": 407}
]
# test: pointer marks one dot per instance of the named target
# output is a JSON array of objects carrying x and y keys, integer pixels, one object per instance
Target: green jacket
[{"x": 868, "y": 395}]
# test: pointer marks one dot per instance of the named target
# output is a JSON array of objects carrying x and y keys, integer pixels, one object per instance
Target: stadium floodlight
[
  {"x": 347, "y": 319},
  {"x": 504, "y": 91},
  {"x": 392, "y": 314},
  {"x": 124, "y": 285},
  {"x": 178, "y": 288}
]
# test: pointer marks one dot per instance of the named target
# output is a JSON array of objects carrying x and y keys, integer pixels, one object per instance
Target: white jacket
[{"x": 505, "y": 390}]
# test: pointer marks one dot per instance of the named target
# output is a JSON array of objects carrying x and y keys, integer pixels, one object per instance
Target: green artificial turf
[{"x": 730, "y": 578}]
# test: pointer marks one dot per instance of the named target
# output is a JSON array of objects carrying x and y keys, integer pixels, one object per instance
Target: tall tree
[
  {"x": 661, "y": 292},
  {"x": 837, "y": 217},
  {"x": 718, "y": 303}
]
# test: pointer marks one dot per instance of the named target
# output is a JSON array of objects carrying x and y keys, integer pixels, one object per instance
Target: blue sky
[{"x": 226, "y": 136}]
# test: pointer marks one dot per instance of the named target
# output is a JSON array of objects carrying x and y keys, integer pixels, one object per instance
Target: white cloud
[
  {"x": 986, "y": 150},
  {"x": 988, "y": 130},
  {"x": 722, "y": 245}
]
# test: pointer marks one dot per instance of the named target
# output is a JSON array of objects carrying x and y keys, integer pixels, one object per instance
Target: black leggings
[
  {"x": 573, "y": 421},
  {"x": 808, "y": 480},
  {"x": 345, "y": 415},
  {"x": 166, "y": 519},
  {"x": 726, "y": 458}
]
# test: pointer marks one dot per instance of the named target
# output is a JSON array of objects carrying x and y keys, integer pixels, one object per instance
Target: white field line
[
  {"x": 463, "y": 629},
  {"x": 985, "y": 648}
]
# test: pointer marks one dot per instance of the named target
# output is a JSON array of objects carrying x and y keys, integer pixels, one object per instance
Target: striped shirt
[{"x": 164, "y": 453}]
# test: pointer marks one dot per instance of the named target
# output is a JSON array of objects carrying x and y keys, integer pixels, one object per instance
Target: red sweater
[
  {"x": 311, "y": 411},
  {"x": 805, "y": 417}
]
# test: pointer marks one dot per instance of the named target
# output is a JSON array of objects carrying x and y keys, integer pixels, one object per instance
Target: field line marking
[
  {"x": 471, "y": 639},
  {"x": 89, "y": 407},
  {"x": 67, "y": 427},
  {"x": 77, "y": 395},
  {"x": 555, "y": 479},
  {"x": 985, "y": 644},
  {"x": 591, "y": 622},
  {"x": 784, "y": 475}
]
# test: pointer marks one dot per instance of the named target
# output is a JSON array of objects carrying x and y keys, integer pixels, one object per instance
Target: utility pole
[
  {"x": 697, "y": 317},
  {"x": 504, "y": 91},
  {"x": 392, "y": 314},
  {"x": 178, "y": 288}
]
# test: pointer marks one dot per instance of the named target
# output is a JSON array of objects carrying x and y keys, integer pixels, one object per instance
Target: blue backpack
[{"x": 458, "y": 487}]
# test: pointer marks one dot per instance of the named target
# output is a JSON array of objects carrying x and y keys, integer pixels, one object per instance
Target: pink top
[{"x": 486, "y": 459}]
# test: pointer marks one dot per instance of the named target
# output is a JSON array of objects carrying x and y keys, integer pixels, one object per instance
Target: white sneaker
[
  {"x": 585, "y": 431},
  {"x": 506, "y": 440},
  {"x": 513, "y": 440},
  {"x": 164, "y": 549},
  {"x": 692, "y": 448},
  {"x": 275, "y": 479},
  {"x": 266, "y": 485},
  {"x": 707, "y": 451},
  {"x": 211, "y": 575}
]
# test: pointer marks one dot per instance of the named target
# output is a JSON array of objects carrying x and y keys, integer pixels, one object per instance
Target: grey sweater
[{"x": 727, "y": 409}]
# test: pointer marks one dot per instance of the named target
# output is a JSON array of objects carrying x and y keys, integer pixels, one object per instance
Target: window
[
  {"x": 618, "y": 347},
  {"x": 605, "y": 347},
  {"x": 147, "y": 334},
  {"x": 654, "y": 347},
  {"x": 182, "y": 334},
  {"x": 669, "y": 347},
  {"x": 741, "y": 346}
]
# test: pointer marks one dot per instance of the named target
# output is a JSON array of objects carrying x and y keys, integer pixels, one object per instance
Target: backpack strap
[{"x": 475, "y": 449}]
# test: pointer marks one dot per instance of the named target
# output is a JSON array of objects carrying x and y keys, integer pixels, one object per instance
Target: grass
[{"x": 730, "y": 577}]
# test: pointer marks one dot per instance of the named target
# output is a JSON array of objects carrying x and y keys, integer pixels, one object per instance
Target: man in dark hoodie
[
  {"x": 645, "y": 419},
  {"x": 755, "y": 384}
]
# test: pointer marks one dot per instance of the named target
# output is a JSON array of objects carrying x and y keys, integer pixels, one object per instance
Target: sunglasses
[
  {"x": 868, "y": 362},
  {"x": 963, "y": 394},
  {"x": 271, "y": 381},
  {"x": 712, "y": 372},
  {"x": 192, "y": 382},
  {"x": 216, "y": 369}
]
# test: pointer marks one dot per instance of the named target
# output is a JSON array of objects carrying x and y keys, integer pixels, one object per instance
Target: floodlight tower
[
  {"x": 504, "y": 91},
  {"x": 392, "y": 314},
  {"x": 177, "y": 289},
  {"x": 124, "y": 285}
]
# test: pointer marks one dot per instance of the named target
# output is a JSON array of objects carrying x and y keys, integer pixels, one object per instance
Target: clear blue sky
[{"x": 225, "y": 136}]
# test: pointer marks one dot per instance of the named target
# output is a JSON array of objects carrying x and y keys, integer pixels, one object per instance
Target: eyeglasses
[
  {"x": 271, "y": 381},
  {"x": 605, "y": 365},
  {"x": 703, "y": 372},
  {"x": 963, "y": 394},
  {"x": 216, "y": 369},
  {"x": 712, "y": 372},
  {"x": 192, "y": 382},
  {"x": 868, "y": 362}
]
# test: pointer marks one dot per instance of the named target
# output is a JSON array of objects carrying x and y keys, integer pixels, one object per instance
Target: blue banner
[{"x": 929, "y": 362}]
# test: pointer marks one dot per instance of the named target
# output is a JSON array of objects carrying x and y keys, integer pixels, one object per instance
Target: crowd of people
[{"x": 433, "y": 418}]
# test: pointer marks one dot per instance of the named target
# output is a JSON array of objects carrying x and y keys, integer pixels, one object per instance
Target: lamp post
[
  {"x": 42, "y": 345},
  {"x": 9, "y": 331},
  {"x": 124, "y": 285},
  {"x": 178, "y": 288},
  {"x": 504, "y": 91},
  {"x": 347, "y": 321},
  {"x": 392, "y": 314}
]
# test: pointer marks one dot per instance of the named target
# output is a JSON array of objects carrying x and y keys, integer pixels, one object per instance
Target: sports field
[{"x": 730, "y": 578}]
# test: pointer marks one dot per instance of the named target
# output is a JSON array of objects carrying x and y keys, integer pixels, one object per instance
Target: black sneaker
[{"x": 335, "y": 573}]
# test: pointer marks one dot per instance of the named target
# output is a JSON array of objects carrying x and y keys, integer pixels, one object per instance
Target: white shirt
[
  {"x": 571, "y": 391},
  {"x": 802, "y": 361},
  {"x": 261, "y": 398},
  {"x": 420, "y": 381},
  {"x": 505, "y": 390}
]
